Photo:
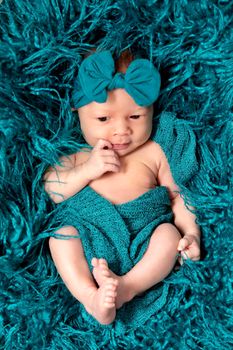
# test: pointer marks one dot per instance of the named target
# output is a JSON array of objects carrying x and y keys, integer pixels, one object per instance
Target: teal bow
[{"x": 96, "y": 77}]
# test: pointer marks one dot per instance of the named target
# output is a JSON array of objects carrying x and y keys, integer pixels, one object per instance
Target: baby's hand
[
  {"x": 189, "y": 246},
  {"x": 102, "y": 159}
]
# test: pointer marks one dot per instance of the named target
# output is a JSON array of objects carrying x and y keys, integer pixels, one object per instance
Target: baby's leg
[
  {"x": 72, "y": 266},
  {"x": 157, "y": 262}
]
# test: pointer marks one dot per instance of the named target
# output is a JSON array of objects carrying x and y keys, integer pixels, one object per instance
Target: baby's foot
[
  {"x": 103, "y": 302},
  {"x": 101, "y": 272}
]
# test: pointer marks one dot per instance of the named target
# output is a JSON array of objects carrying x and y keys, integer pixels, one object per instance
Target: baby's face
[{"x": 119, "y": 120}]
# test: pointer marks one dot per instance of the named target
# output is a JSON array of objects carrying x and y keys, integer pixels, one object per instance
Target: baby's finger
[
  {"x": 185, "y": 255},
  {"x": 109, "y": 152},
  {"x": 191, "y": 254},
  {"x": 112, "y": 168},
  {"x": 112, "y": 160},
  {"x": 103, "y": 144},
  {"x": 194, "y": 254},
  {"x": 180, "y": 260},
  {"x": 183, "y": 243},
  {"x": 196, "y": 258}
]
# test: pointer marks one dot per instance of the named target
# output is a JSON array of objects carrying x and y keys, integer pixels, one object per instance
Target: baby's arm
[
  {"x": 183, "y": 218},
  {"x": 62, "y": 182}
]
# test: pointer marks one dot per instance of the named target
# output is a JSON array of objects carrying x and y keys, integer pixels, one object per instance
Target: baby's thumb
[{"x": 183, "y": 243}]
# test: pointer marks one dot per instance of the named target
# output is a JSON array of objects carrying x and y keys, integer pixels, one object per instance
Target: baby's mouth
[{"x": 120, "y": 146}]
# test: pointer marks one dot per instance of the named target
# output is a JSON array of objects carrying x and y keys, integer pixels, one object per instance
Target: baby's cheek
[{"x": 146, "y": 133}]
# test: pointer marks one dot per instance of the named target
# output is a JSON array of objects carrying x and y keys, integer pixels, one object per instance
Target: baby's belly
[
  {"x": 122, "y": 194},
  {"x": 118, "y": 188}
]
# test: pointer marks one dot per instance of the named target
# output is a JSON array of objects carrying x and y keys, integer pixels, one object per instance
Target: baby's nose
[{"x": 122, "y": 129}]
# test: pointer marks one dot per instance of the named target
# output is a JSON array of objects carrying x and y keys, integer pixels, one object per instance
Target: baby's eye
[
  {"x": 103, "y": 119},
  {"x": 137, "y": 116}
]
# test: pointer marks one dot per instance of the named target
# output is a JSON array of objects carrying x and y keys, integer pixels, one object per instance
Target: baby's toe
[
  {"x": 103, "y": 263},
  {"x": 111, "y": 293},
  {"x": 112, "y": 284},
  {"x": 94, "y": 262},
  {"x": 109, "y": 305},
  {"x": 105, "y": 272},
  {"x": 109, "y": 299},
  {"x": 110, "y": 296}
]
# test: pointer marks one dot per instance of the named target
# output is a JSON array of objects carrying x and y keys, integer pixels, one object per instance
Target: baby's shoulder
[
  {"x": 153, "y": 150},
  {"x": 154, "y": 154},
  {"x": 150, "y": 154}
]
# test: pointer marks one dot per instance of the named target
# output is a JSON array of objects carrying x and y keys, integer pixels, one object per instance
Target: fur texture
[{"x": 42, "y": 45}]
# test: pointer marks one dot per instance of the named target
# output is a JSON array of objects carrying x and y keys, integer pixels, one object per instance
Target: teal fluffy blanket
[{"x": 42, "y": 43}]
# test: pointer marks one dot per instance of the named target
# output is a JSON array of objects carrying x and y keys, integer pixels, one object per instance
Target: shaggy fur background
[{"x": 42, "y": 43}]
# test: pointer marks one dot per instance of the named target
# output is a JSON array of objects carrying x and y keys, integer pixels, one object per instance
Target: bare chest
[
  {"x": 137, "y": 175},
  {"x": 123, "y": 187}
]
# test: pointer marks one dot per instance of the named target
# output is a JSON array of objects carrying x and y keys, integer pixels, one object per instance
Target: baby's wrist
[{"x": 84, "y": 170}]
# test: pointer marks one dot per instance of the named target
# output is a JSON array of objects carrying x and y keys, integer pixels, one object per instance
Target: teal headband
[{"x": 97, "y": 76}]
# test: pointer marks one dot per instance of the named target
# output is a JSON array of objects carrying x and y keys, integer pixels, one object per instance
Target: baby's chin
[
  {"x": 123, "y": 153},
  {"x": 127, "y": 150}
]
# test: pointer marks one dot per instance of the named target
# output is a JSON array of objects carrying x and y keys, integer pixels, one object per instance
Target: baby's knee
[
  {"x": 64, "y": 233},
  {"x": 169, "y": 234},
  {"x": 67, "y": 231}
]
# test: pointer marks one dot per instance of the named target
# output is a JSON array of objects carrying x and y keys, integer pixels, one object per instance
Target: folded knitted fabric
[
  {"x": 121, "y": 233},
  {"x": 178, "y": 142}
]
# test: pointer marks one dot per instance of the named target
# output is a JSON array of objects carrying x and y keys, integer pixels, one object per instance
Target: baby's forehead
[{"x": 110, "y": 108}]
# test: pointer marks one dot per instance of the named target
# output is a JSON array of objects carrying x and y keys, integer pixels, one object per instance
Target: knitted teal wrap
[{"x": 120, "y": 234}]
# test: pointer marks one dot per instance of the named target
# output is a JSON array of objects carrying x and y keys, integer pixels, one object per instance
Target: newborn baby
[{"x": 122, "y": 165}]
